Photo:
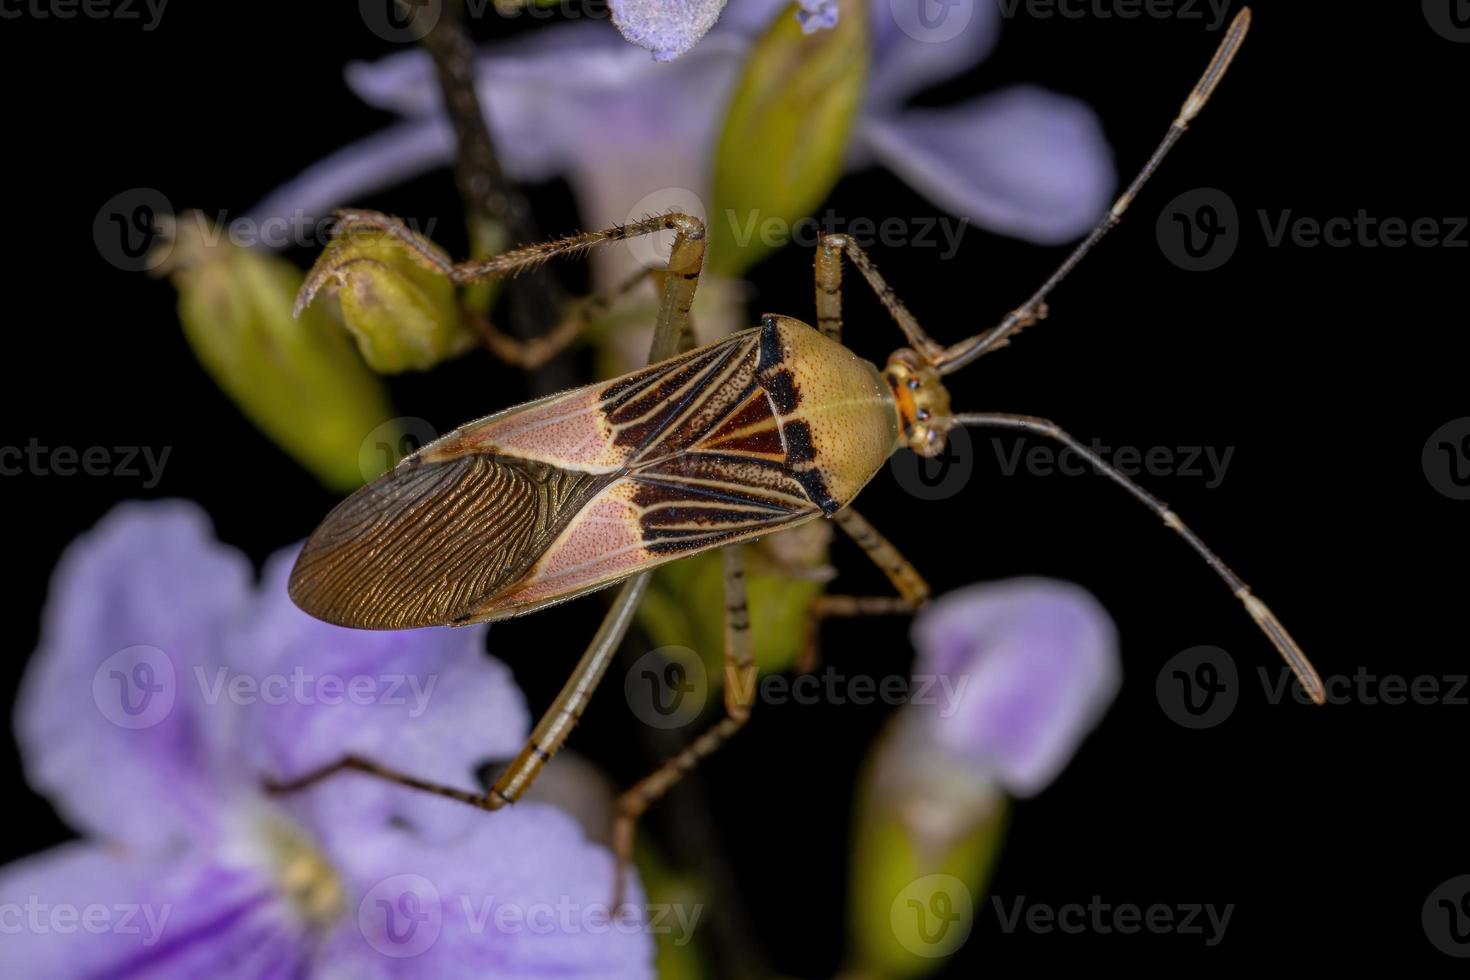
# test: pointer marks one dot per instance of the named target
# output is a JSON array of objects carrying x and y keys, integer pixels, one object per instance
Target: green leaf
[
  {"x": 785, "y": 137},
  {"x": 299, "y": 381}
]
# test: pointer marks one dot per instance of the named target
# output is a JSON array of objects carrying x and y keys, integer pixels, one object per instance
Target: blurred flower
[
  {"x": 1035, "y": 665},
  {"x": 155, "y": 753},
  {"x": 1018, "y": 673},
  {"x": 299, "y": 381},
  {"x": 402, "y": 311},
  {"x": 635, "y": 137}
]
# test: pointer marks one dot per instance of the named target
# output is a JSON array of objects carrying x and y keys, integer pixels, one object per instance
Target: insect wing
[{"x": 558, "y": 497}]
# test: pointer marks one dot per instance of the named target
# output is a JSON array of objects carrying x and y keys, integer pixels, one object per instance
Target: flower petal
[
  {"x": 83, "y": 910},
  {"x": 919, "y": 43},
  {"x": 429, "y": 702},
  {"x": 668, "y": 28},
  {"x": 524, "y": 896},
  {"x": 1023, "y": 162},
  {"x": 108, "y": 719},
  {"x": 1031, "y": 664}
]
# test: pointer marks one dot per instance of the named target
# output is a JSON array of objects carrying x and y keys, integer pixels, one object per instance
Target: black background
[{"x": 1326, "y": 368}]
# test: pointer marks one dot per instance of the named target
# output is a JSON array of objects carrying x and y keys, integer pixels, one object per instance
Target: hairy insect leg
[
  {"x": 740, "y": 682},
  {"x": 830, "y": 252},
  {"x": 680, "y": 278},
  {"x": 533, "y": 352},
  {"x": 548, "y": 736},
  {"x": 913, "y": 591},
  {"x": 1258, "y": 610}
]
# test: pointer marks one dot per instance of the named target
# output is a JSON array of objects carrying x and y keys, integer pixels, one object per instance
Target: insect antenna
[
  {"x": 1259, "y": 611},
  {"x": 962, "y": 353}
]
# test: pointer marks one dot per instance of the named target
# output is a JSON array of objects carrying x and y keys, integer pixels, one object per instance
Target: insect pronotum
[{"x": 766, "y": 429}]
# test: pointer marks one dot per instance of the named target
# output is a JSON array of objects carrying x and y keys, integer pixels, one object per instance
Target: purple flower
[
  {"x": 633, "y": 136},
  {"x": 1032, "y": 665},
  {"x": 168, "y": 683}
]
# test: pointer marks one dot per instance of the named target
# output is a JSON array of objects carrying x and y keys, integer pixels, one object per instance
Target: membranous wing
[{"x": 571, "y": 493}]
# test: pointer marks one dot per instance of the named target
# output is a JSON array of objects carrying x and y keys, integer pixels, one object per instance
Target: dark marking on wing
[{"x": 427, "y": 541}]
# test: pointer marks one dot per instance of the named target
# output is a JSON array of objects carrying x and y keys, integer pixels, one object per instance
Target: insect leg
[
  {"x": 681, "y": 277},
  {"x": 548, "y": 736},
  {"x": 913, "y": 591},
  {"x": 1258, "y": 610},
  {"x": 740, "y": 682},
  {"x": 533, "y": 352},
  {"x": 830, "y": 251}
]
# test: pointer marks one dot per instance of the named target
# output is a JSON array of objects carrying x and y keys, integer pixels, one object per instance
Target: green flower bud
[
  {"x": 299, "y": 381},
  {"x": 785, "y": 137},
  {"x": 925, "y": 839},
  {"x": 399, "y": 307}
]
